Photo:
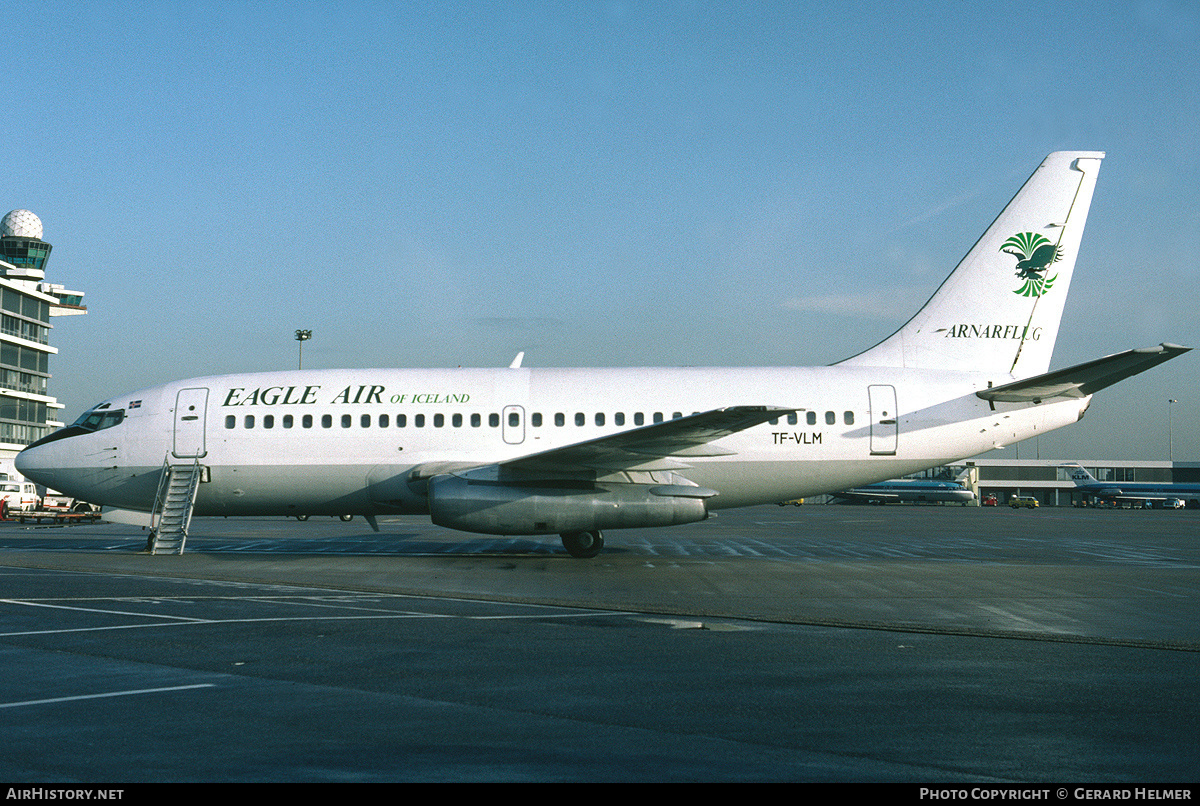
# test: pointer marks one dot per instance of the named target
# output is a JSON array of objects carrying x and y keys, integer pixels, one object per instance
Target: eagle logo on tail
[{"x": 1034, "y": 254}]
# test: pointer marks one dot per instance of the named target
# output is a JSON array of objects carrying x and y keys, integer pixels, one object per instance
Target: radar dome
[{"x": 22, "y": 224}]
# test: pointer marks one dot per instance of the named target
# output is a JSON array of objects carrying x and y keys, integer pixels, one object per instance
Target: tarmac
[{"x": 815, "y": 643}]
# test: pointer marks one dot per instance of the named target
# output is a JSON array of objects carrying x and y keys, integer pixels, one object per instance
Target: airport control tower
[{"x": 27, "y": 301}]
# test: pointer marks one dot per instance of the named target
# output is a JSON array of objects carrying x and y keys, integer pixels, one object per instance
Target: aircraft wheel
[
  {"x": 346, "y": 518},
  {"x": 583, "y": 545}
]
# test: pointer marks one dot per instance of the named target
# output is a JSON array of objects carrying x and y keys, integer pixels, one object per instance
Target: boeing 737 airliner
[{"x": 521, "y": 451}]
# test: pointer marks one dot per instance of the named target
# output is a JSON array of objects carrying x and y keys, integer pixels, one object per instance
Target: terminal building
[
  {"x": 1049, "y": 480},
  {"x": 27, "y": 304}
]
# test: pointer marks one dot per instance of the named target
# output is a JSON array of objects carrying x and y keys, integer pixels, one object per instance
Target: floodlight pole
[
  {"x": 1170, "y": 435},
  {"x": 302, "y": 336}
]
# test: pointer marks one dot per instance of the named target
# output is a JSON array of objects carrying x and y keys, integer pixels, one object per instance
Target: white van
[{"x": 19, "y": 495}]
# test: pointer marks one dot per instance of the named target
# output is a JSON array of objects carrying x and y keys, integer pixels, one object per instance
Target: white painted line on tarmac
[
  {"x": 97, "y": 610},
  {"x": 105, "y": 694}
]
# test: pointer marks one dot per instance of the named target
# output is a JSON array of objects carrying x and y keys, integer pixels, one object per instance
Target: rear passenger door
[{"x": 884, "y": 420}]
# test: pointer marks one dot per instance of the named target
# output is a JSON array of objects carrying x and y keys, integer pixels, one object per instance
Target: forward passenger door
[{"x": 191, "y": 406}]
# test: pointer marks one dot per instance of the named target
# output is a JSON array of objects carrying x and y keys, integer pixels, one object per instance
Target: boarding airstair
[{"x": 173, "y": 507}]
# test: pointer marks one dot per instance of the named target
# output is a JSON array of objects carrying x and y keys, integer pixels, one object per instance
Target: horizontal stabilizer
[{"x": 1083, "y": 380}]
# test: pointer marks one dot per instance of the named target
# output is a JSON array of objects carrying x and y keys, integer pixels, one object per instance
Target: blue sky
[{"x": 607, "y": 183}]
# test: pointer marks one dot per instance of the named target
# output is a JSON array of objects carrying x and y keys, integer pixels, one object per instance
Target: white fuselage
[{"x": 346, "y": 441}]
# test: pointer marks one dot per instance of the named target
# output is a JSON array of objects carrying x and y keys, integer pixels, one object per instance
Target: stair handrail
[{"x": 160, "y": 496}]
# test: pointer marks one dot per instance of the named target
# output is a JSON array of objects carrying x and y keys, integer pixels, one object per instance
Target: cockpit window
[{"x": 97, "y": 420}]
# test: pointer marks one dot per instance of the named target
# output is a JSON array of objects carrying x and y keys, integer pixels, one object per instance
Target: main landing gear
[{"x": 583, "y": 545}]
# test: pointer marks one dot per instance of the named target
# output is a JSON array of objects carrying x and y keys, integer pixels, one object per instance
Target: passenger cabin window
[
  {"x": 830, "y": 418},
  {"x": 848, "y": 418},
  {"x": 811, "y": 418}
]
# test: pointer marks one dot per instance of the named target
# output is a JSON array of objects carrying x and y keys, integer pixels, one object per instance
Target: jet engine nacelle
[{"x": 547, "y": 507}]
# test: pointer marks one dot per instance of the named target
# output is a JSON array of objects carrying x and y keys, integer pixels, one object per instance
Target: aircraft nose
[
  {"x": 45, "y": 463},
  {"x": 31, "y": 463}
]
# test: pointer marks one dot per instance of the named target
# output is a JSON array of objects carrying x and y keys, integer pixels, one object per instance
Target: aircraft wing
[
  {"x": 650, "y": 447},
  {"x": 1100, "y": 490},
  {"x": 1116, "y": 493},
  {"x": 1082, "y": 380},
  {"x": 859, "y": 495}
]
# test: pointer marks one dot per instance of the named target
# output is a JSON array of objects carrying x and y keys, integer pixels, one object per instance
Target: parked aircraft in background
[
  {"x": 1134, "y": 492},
  {"x": 521, "y": 451},
  {"x": 908, "y": 491}
]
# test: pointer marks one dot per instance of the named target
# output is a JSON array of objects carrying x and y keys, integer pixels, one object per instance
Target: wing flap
[{"x": 1085, "y": 379}]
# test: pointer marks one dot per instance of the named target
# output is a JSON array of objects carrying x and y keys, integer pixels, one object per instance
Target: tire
[{"x": 583, "y": 545}]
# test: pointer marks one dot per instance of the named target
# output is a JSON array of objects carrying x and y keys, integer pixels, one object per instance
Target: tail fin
[
  {"x": 999, "y": 310},
  {"x": 1079, "y": 475}
]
